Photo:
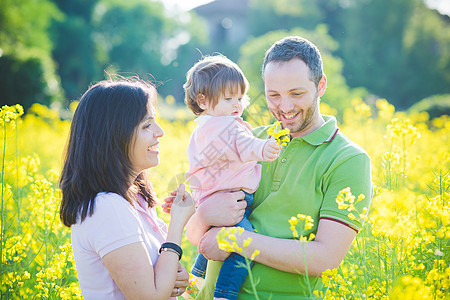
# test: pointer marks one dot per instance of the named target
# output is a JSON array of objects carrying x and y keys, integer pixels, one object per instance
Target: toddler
[{"x": 222, "y": 151}]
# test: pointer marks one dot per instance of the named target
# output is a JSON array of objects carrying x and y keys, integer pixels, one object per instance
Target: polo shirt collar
[{"x": 325, "y": 134}]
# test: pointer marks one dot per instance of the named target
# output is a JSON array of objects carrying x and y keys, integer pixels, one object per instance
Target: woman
[{"x": 121, "y": 248}]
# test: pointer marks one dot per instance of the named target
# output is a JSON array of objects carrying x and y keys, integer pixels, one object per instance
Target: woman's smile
[{"x": 154, "y": 148}]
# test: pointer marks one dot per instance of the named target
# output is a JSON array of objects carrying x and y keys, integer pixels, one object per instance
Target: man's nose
[{"x": 286, "y": 104}]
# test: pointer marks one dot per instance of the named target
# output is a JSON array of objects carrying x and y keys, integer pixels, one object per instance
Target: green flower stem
[
  {"x": 3, "y": 214},
  {"x": 17, "y": 178},
  {"x": 250, "y": 276}
]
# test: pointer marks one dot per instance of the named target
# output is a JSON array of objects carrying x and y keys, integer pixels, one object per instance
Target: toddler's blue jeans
[{"x": 233, "y": 272}]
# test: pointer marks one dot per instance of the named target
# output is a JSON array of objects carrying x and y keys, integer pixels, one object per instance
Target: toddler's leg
[
  {"x": 199, "y": 267},
  {"x": 234, "y": 271}
]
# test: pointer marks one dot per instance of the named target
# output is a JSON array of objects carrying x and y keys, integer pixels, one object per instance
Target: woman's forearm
[
  {"x": 165, "y": 274},
  {"x": 131, "y": 268},
  {"x": 167, "y": 264}
]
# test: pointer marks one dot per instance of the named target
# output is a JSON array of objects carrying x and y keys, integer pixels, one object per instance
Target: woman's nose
[{"x": 159, "y": 132}]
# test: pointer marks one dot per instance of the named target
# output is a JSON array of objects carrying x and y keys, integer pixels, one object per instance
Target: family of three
[{"x": 239, "y": 176}]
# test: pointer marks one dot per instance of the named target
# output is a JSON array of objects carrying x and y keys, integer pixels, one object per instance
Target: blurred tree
[
  {"x": 75, "y": 49},
  {"x": 131, "y": 33},
  {"x": 27, "y": 71},
  {"x": 398, "y": 49},
  {"x": 426, "y": 45},
  {"x": 138, "y": 38},
  {"x": 22, "y": 81},
  {"x": 338, "y": 94},
  {"x": 191, "y": 34},
  {"x": 267, "y": 15},
  {"x": 435, "y": 106}
]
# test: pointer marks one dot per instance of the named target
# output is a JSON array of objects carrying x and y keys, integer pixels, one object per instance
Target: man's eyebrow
[
  {"x": 297, "y": 89},
  {"x": 291, "y": 90}
]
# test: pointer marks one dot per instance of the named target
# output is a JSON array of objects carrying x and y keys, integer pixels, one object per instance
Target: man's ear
[
  {"x": 201, "y": 101},
  {"x": 322, "y": 85}
]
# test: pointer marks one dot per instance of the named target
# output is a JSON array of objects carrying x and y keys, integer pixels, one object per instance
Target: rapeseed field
[{"x": 403, "y": 251}]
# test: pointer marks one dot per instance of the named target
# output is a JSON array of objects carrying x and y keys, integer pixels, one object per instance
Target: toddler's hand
[{"x": 271, "y": 150}]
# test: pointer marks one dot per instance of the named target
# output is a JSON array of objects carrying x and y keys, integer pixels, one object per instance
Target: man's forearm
[
  {"x": 325, "y": 252},
  {"x": 220, "y": 209},
  {"x": 285, "y": 254},
  {"x": 195, "y": 229}
]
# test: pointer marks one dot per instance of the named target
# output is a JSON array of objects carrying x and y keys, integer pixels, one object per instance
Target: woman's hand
[
  {"x": 182, "y": 207},
  {"x": 168, "y": 202},
  {"x": 182, "y": 281},
  {"x": 209, "y": 248}
]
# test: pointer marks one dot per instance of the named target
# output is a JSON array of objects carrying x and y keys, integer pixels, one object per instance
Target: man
[{"x": 312, "y": 169}]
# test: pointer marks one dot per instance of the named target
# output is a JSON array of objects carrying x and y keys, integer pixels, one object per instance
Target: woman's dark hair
[{"x": 98, "y": 149}]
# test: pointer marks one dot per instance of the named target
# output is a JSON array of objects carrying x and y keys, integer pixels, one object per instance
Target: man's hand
[
  {"x": 220, "y": 209},
  {"x": 223, "y": 209},
  {"x": 209, "y": 248}
]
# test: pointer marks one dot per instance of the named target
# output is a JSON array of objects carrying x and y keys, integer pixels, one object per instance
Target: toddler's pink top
[
  {"x": 114, "y": 224},
  {"x": 223, "y": 155}
]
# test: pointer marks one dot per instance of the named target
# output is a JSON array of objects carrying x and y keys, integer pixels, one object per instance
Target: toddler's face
[{"x": 229, "y": 104}]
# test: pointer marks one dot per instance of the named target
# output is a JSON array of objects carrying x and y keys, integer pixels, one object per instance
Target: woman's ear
[{"x": 201, "y": 101}]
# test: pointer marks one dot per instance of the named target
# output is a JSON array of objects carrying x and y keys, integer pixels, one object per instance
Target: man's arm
[
  {"x": 332, "y": 240},
  {"x": 329, "y": 247},
  {"x": 220, "y": 209}
]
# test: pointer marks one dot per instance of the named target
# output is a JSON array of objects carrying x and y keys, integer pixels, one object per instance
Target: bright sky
[
  {"x": 443, "y": 6},
  {"x": 184, "y": 4}
]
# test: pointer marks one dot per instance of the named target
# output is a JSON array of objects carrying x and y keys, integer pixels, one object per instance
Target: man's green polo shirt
[{"x": 305, "y": 179}]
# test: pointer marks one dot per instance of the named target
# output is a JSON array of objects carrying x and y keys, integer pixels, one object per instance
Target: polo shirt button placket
[{"x": 283, "y": 160}]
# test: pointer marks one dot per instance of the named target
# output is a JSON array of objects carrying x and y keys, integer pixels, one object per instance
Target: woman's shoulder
[
  {"x": 109, "y": 198},
  {"x": 108, "y": 205},
  {"x": 114, "y": 222}
]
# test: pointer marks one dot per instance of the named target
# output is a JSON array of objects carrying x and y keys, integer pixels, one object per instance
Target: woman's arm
[
  {"x": 331, "y": 243},
  {"x": 131, "y": 268}
]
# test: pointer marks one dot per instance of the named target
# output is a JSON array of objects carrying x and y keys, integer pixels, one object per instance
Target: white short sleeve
[{"x": 115, "y": 223}]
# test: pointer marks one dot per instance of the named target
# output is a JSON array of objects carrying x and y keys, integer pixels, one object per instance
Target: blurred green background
[{"x": 51, "y": 50}]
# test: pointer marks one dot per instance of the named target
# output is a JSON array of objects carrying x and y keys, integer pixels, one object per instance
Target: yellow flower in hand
[{"x": 280, "y": 134}]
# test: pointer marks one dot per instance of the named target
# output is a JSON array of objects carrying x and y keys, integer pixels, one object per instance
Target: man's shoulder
[
  {"x": 343, "y": 148},
  {"x": 345, "y": 143}
]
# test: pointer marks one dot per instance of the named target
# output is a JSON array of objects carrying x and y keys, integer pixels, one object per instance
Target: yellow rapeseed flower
[
  {"x": 254, "y": 254},
  {"x": 281, "y": 135}
]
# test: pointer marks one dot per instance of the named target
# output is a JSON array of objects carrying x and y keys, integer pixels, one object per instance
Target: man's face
[{"x": 292, "y": 97}]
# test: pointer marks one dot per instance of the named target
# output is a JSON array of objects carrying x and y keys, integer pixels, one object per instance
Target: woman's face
[{"x": 144, "y": 151}]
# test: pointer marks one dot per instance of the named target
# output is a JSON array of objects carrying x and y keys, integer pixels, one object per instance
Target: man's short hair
[{"x": 296, "y": 47}]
